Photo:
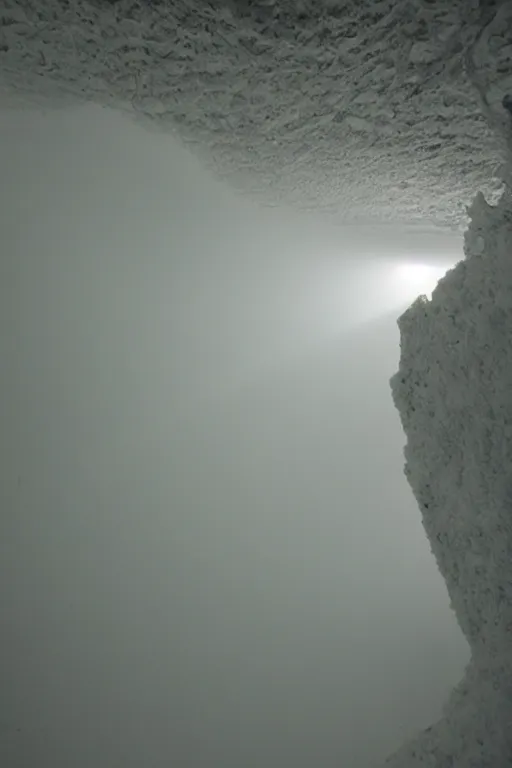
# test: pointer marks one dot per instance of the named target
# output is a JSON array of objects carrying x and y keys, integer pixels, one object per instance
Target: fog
[{"x": 209, "y": 555}]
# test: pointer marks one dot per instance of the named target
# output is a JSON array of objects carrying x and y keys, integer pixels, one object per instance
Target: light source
[{"x": 415, "y": 278}]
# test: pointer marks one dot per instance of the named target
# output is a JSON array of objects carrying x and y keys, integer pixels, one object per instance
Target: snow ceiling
[{"x": 358, "y": 110}]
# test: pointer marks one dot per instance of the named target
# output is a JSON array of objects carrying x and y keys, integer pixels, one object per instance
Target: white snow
[
  {"x": 452, "y": 390},
  {"x": 362, "y": 111},
  {"x": 383, "y": 111}
]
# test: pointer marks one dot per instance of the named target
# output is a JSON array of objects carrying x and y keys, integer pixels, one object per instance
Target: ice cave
[{"x": 380, "y": 113}]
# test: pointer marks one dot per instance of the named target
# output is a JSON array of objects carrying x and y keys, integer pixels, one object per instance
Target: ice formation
[
  {"x": 453, "y": 393},
  {"x": 359, "y": 110},
  {"x": 364, "y": 110}
]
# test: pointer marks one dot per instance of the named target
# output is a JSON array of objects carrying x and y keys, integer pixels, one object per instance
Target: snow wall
[{"x": 453, "y": 391}]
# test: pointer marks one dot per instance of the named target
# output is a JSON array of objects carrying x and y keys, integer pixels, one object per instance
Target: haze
[{"x": 209, "y": 553}]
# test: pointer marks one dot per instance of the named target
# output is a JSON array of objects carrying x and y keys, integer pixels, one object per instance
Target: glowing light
[{"x": 414, "y": 279}]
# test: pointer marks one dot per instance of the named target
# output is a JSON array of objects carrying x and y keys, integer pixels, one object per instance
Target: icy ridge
[
  {"x": 452, "y": 391},
  {"x": 358, "y": 110}
]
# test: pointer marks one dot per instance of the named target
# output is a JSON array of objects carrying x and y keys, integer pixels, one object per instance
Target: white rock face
[
  {"x": 453, "y": 391},
  {"x": 359, "y": 110}
]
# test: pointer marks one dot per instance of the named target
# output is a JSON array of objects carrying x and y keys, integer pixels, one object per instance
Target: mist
[{"x": 209, "y": 553}]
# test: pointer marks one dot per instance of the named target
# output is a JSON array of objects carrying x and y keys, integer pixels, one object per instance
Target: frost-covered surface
[
  {"x": 372, "y": 111},
  {"x": 453, "y": 391},
  {"x": 360, "y": 110},
  {"x": 476, "y": 731}
]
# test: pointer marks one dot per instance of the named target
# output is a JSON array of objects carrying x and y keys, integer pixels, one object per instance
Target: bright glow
[
  {"x": 309, "y": 303},
  {"x": 335, "y": 295},
  {"x": 415, "y": 279}
]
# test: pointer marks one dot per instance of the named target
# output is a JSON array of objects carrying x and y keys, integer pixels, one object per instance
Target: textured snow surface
[
  {"x": 453, "y": 391},
  {"x": 360, "y": 110},
  {"x": 381, "y": 111}
]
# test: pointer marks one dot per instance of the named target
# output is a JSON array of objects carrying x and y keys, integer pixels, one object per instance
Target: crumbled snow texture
[
  {"x": 476, "y": 730},
  {"x": 453, "y": 392},
  {"x": 358, "y": 110}
]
